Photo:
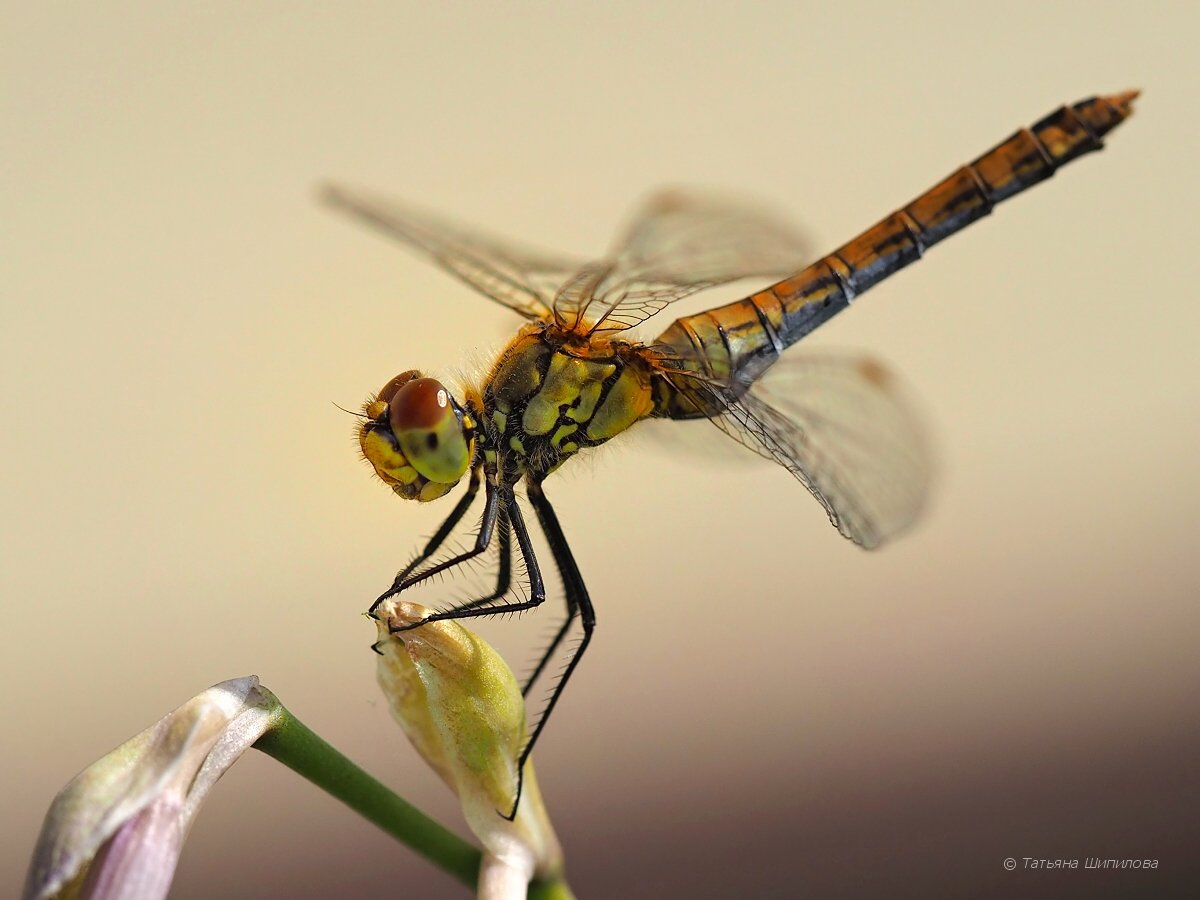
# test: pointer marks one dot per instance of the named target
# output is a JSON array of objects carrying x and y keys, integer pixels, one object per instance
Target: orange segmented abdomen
[{"x": 737, "y": 342}]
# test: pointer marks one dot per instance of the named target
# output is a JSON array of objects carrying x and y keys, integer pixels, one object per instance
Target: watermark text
[{"x": 1086, "y": 862}]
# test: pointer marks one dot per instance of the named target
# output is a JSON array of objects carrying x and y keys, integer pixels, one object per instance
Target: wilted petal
[
  {"x": 138, "y": 862},
  {"x": 461, "y": 707},
  {"x": 126, "y": 815}
]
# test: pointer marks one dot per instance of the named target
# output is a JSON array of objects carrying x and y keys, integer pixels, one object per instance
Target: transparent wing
[
  {"x": 842, "y": 426},
  {"x": 677, "y": 244},
  {"x": 522, "y": 279}
]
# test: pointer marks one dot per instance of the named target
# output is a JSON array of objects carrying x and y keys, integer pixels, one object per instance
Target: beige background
[{"x": 766, "y": 710}]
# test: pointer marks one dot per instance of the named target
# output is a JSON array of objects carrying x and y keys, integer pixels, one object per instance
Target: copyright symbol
[{"x": 1010, "y": 864}]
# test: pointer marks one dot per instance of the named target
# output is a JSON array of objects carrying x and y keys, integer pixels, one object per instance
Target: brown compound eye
[
  {"x": 428, "y": 426},
  {"x": 421, "y": 403},
  {"x": 388, "y": 391}
]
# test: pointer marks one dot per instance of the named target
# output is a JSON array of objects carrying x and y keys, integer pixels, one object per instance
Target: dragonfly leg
[
  {"x": 578, "y": 603},
  {"x": 439, "y": 536},
  {"x": 538, "y": 498},
  {"x": 487, "y": 527},
  {"x": 503, "y": 573},
  {"x": 537, "y": 588},
  {"x": 503, "y": 580},
  {"x": 548, "y": 653}
]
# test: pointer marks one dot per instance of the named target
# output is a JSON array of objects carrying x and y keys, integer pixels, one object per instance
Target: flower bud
[{"x": 462, "y": 709}]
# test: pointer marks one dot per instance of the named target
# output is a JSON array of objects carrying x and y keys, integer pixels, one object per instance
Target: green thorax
[{"x": 548, "y": 397}]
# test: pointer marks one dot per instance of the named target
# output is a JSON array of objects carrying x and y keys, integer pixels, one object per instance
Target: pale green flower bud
[
  {"x": 116, "y": 829},
  {"x": 462, "y": 708}
]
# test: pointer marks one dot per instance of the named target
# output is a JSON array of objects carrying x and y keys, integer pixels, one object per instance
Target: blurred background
[{"x": 766, "y": 711}]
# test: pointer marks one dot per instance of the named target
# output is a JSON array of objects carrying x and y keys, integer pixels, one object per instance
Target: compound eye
[
  {"x": 428, "y": 428},
  {"x": 388, "y": 391},
  {"x": 419, "y": 403}
]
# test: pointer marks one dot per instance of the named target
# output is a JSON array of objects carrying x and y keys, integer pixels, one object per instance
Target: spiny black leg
[
  {"x": 537, "y": 588},
  {"x": 548, "y": 654},
  {"x": 577, "y": 600},
  {"x": 538, "y": 499},
  {"x": 503, "y": 572},
  {"x": 439, "y": 536},
  {"x": 487, "y": 527},
  {"x": 447, "y": 526}
]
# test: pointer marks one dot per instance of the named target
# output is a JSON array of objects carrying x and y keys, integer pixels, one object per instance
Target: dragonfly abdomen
[{"x": 734, "y": 344}]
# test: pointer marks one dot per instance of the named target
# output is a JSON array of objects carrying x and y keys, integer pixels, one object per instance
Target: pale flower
[{"x": 117, "y": 828}]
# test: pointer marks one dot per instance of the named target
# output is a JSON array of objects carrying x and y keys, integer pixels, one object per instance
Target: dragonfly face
[{"x": 417, "y": 436}]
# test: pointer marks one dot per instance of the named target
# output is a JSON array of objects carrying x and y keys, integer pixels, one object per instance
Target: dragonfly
[{"x": 573, "y": 378}]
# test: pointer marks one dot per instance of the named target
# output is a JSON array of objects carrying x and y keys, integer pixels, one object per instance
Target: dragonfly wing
[
  {"x": 677, "y": 244},
  {"x": 842, "y": 426},
  {"x": 522, "y": 279}
]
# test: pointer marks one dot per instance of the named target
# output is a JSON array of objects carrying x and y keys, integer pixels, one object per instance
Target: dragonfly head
[{"x": 417, "y": 436}]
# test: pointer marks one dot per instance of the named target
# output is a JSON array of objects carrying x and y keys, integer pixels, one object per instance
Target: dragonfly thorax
[
  {"x": 419, "y": 439},
  {"x": 545, "y": 399}
]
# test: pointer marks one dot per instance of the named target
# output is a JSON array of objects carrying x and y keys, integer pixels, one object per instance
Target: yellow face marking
[
  {"x": 500, "y": 420},
  {"x": 389, "y": 462},
  {"x": 433, "y": 490}
]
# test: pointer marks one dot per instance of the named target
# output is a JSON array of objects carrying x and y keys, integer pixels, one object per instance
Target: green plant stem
[{"x": 304, "y": 752}]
